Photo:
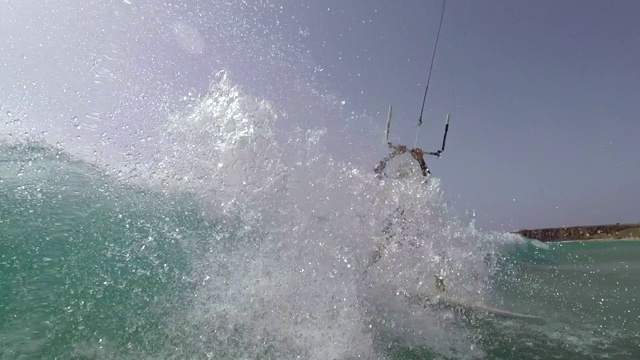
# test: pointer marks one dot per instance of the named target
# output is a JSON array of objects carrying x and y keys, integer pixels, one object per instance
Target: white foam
[{"x": 300, "y": 282}]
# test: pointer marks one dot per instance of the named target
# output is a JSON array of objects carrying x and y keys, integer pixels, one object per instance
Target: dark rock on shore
[{"x": 591, "y": 232}]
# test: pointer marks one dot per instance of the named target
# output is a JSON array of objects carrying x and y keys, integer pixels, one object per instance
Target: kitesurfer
[
  {"x": 416, "y": 153},
  {"x": 398, "y": 214}
]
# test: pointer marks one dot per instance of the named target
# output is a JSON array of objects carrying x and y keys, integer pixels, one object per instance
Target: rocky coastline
[{"x": 590, "y": 232}]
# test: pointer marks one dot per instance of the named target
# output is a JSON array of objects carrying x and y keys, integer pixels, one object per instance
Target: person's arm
[
  {"x": 379, "y": 168},
  {"x": 423, "y": 167},
  {"x": 418, "y": 154},
  {"x": 395, "y": 151}
]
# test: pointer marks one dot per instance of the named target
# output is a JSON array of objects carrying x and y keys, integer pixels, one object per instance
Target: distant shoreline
[{"x": 584, "y": 233}]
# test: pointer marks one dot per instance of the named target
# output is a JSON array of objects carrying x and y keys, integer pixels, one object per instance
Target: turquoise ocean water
[
  {"x": 267, "y": 259},
  {"x": 170, "y": 189}
]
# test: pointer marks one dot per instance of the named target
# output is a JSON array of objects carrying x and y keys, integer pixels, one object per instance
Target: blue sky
[
  {"x": 546, "y": 112},
  {"x": 545, "y": 117}
]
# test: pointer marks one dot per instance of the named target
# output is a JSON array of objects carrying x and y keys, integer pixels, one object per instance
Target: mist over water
[
  {"x": 304, "y": 279},
  {"x": 171, "y": 189},
  {"x": 286, "y": 273}
]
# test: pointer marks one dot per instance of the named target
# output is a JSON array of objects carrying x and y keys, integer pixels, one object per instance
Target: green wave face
[
  {"x": 232, "y": 245},
  {"x": 94, "y": 269},
  {"x": 86, "y": 266}
]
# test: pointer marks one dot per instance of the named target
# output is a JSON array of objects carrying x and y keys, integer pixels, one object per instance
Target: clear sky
[
  {"x": 546, "y": 112},
  {"x": 545, "y": 118}
]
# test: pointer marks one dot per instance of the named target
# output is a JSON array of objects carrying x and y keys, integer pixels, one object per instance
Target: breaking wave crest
[
  {"x": 234, "y": 234},
  {"x": 300, "y": 282}
]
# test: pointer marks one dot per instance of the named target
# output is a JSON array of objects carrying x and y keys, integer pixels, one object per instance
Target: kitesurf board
[
  {"x": 481, "y": 308},
  {"x": 454, "y": 303}
]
